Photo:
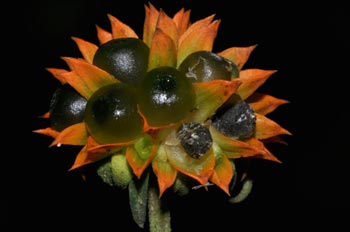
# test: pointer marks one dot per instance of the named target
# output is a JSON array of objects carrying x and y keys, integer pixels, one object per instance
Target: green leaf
[
  {"x": 105, "y": 172},
  {"x": 138, "y": 195},
  {"x": 159, "y": 213}
]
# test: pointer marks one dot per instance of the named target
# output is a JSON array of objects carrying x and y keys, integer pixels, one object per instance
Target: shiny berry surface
[
  {"x": 67, "y": 107},
  {"x": 111, "y": 114},
  {"x": 166, "y": 96},
  {"x": 204, "y": 66},
  {"x": 125, "y": 58}
]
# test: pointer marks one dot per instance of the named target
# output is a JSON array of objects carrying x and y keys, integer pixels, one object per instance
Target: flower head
[{"x": 164, "y": 103}]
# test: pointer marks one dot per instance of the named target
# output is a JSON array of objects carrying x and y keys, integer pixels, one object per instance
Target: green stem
[{"x": 158, "y": 212}]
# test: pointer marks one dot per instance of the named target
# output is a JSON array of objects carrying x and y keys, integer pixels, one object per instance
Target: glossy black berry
[
  {"x": 125, "y": 58},
  {"x": 67, "y": 107},
  {"x": 111, "y": 114},
  {"x": 204, "y": 66},
  {"x": 195, "y": 139}
]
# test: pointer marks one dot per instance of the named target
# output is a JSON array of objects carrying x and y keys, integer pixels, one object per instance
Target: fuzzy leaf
[
  {"x": 210, "y": 96},
  {"x": 138, "y": 196},
  {"x": 263, "y": 103},
  {"x": 251, "y": 80},
  {"x": 165, "y": 173},
  {"x": 103, "y": 35},
  {"x": 223, "y": 172},
  {"x": 86, "y": 48},
  {"x": 197, "y": 40},
  {"x": 120, "y": 29},
  {"x": 141, "y": 154},
  {"x": 150, "y": 22},
  {"x": 56, "y": 72},
  {"x": 73, "y": 135},
  {"x": 199, "y": 169},
  {"x": 238, "y": 55},
  {"x": 86, "y": 78},
  {"x": 182, "y": 20},
  {"x": 158, "y": 212},
  {"x": 162, "y": 51},
  {"x": 266, "y": 128}
]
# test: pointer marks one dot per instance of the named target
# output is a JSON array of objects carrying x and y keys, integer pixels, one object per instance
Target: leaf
[
  {"x": 251, "y": 80},
  {"x": 86, "y": 78},
  {"x": 56, "y": 72},
  {"x": 182, "y": 20},
  {"x": 93, "y": 152},
  {"x": 263, "y": 103},
  {"x": 223, "y": 172},
  {"x": 140, "y": 155},
  {"x": 233, "y": 148},
  {"x": 48, "y": 132},
  {"x": 162, "y": 51},
  {"x": 84, "y": 158},
  {"x": 197, "y": 25},
  {"x": 200, "y": 39},
  {"x": 138, "y": 196},
  {"x": 73, "y": 135},
  {"x": 158, "y": 212},
  {"x": 266, "y": 128},
  {"x": 168, "y": 26},
  {"x": 238, "y": 55},
  {"x": 120, "y": 29},
  {"x": 86, "y": 48},
  {"x": 210, "y": 96},
  {"x": 150, "y": 22},
  {"x": 165, "y": 173},
  {"x": 264, "y": 152},
  {"x": 103, "y": 35}
]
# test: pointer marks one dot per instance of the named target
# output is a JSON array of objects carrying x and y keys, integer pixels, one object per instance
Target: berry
[
  {"x": 236, "y": 121},
  {"x": 67, "y": 107},
  {"x": 125, "y": 58},
  {"x": 195, "y": 139},
  {"x": 204, "y": 66},
  {"x": 166, "y": 96},
  {"x": 111, "y": 114}
]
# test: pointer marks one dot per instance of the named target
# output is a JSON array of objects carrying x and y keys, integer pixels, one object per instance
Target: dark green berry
[
  {"x": 111, "y": 114},
  {"x": 166, "y": 96},
  {"x": 204, "y": 66},
  {"x": 67, "y": 107},
  {"x": 125, "y": 58}
]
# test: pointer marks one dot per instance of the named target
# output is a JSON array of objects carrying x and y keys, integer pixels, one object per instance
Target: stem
[{"x": 158, "y": 212}]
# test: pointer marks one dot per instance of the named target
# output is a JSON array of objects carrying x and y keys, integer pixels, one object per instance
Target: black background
[{"x": 307, "y": 44}]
